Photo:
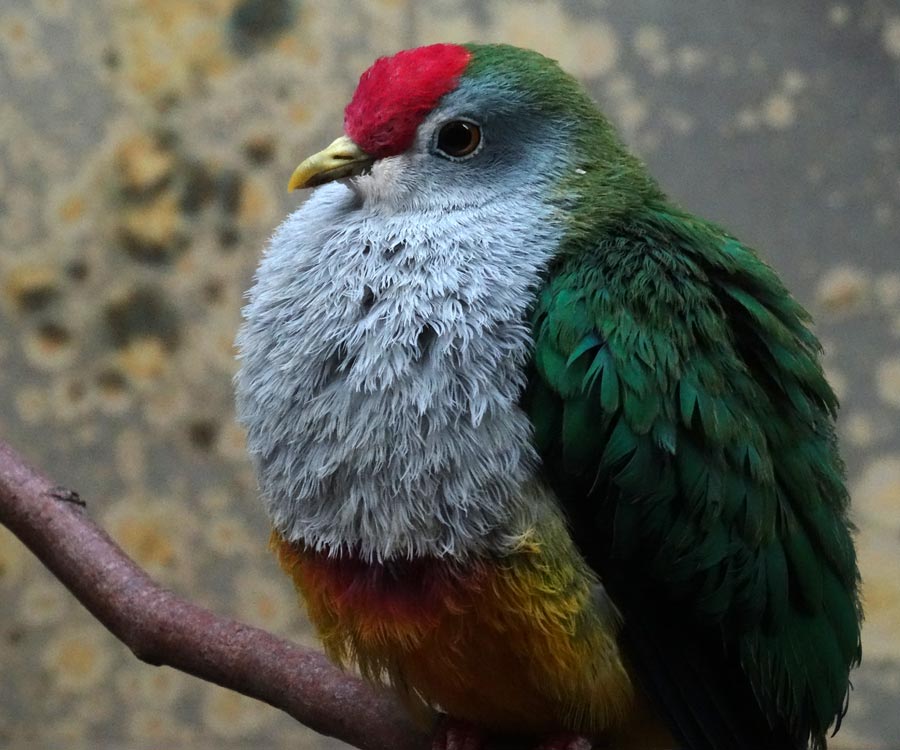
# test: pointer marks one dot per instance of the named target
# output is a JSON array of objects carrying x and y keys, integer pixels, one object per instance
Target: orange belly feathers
[{"x": 525, "y": 643}]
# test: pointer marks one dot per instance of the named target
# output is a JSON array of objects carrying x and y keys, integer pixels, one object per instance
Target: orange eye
[{"x": 459, "y": 138}]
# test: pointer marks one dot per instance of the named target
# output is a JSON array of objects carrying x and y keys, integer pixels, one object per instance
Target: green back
[{"x": 683, "y": 418}]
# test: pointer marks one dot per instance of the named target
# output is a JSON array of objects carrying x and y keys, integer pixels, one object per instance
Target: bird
[{"x": 543, "y": 452}]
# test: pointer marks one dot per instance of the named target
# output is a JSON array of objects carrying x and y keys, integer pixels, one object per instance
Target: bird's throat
[{"x": 383, "y": 362}]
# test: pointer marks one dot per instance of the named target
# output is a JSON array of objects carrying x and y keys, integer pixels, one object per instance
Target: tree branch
[{"x": 163, "y": 629}]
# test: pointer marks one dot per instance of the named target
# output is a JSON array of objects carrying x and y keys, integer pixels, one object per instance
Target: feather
[{"x": 713, "y": 497}]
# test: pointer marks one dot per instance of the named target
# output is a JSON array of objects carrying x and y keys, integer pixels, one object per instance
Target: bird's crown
[{"x": 396, "y": 93}]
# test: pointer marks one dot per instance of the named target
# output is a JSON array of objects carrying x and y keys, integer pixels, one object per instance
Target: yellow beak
[{"x": 343, "y": 158}]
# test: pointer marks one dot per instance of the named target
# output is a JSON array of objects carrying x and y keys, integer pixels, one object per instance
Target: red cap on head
[{"x": 398, "y": 92}]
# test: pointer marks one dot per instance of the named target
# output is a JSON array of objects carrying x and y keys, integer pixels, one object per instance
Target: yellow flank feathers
[{"x": 521, "y": 643}]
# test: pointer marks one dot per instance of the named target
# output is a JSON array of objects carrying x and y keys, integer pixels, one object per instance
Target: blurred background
[{"x": 145, "y": 146}]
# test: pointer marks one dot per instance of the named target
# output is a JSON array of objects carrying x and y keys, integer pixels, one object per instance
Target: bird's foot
[
  {"x": 566, "y": 741},
  {"x": 453, "y": 734}
]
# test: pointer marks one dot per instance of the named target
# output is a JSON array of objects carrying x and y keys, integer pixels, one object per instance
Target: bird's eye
[{"x": 458, "y": 138}]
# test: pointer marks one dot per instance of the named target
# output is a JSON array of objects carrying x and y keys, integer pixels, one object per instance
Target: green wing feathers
[{"x": 679, "y": 404}]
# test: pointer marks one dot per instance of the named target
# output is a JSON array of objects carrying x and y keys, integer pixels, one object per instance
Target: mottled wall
[{"x": 144, "y": 150}]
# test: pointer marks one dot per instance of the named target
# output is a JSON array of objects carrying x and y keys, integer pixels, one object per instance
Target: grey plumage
[{"x": 383, "y": 354}]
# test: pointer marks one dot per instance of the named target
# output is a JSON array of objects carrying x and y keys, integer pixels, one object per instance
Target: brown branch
[{"x": 163, "y": 629}]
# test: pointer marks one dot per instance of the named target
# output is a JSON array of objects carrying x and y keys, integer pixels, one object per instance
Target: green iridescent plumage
[
  {"x": 683, "y": 416},
  {"x": 684, "y": 421}
]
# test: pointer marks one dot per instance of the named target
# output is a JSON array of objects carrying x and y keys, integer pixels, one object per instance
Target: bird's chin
[
  {"x": 382, "y": 182},
  {"x": 356, "y": 182}
]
